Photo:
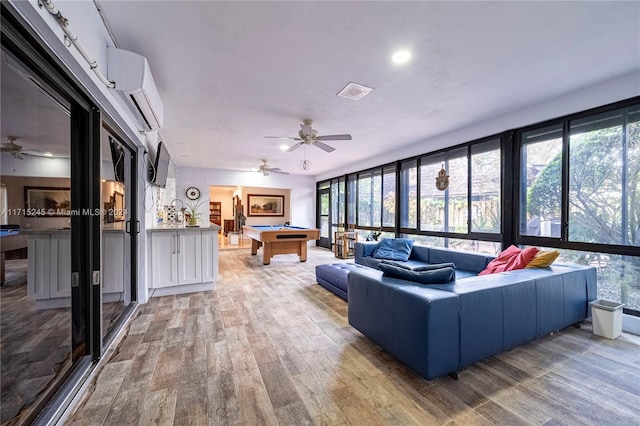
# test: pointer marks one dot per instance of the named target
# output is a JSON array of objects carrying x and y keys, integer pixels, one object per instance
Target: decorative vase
[{"x": 192, "y": 221}]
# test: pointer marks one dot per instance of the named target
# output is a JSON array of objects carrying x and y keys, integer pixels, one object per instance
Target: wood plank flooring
[{"x": 268, "y": 346}]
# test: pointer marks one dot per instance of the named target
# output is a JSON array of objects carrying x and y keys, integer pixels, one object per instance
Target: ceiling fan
[
  {"x": 265, "y": 169},
  {"x": 309, "y": 136},
  {"x": 17, "y": 151}
]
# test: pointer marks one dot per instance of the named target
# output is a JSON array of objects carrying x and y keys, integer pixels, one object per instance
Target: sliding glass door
[
  {"x": 67, "y": 261},
  {"x": 118, "y": 229}
]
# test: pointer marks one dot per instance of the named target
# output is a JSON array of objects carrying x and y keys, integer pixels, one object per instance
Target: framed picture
[
  {"x": 48, "y": 202},
  {"x": 265, "y": 205},
  {"x": 118, "y": 206}
]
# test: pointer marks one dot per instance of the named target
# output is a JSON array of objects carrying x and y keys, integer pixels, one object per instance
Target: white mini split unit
[{"x": 132, "y": 75}]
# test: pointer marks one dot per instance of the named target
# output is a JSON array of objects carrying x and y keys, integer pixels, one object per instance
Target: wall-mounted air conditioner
[{"x": 132, "y": 75}]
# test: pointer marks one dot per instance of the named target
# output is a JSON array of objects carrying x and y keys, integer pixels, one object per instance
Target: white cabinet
[
  {"x": 49, "y": 270},
  {"x": 209, "y": 256},
  {"x": 189, "y": 257},
  {"x": 183, "y": 257},
  {"x": 164, "y": 259}
]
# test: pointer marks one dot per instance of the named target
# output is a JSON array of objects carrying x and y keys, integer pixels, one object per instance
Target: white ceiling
[{"x": 230, "y": 73}]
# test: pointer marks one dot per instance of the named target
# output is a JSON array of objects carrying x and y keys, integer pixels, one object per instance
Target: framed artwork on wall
[
  {"x": 47, "y": 202},
  {"x": 118, "y": 206},
  {"x": 265, "y": 205}
]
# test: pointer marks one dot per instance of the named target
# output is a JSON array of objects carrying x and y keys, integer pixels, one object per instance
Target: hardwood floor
[
  {"x": 268, "y": 346},
  {"x": 224, "y": 243}
]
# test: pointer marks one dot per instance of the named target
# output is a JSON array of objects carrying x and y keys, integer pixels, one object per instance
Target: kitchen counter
[
  {"x": 184, "y": 259},
  {"x": 181, "y": 228}
]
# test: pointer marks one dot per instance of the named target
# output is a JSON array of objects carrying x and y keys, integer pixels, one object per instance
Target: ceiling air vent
[{"x": 354, "y": 91}]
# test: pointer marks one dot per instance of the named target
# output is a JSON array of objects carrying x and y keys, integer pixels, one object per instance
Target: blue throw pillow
[
  {"x": 434, "y": 276},
  {"x": 418, "y": 268},
  {"x": 393, "y": 249}
]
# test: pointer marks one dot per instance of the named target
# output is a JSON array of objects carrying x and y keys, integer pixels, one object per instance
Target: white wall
[
  {"x": 603, "y": 93},
  {"x": 34, "y": 166}
]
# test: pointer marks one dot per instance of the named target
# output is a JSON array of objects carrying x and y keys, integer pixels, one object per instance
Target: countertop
[
  {"x": 66, "y": 230},
  {"x": 182, "y": 228}
]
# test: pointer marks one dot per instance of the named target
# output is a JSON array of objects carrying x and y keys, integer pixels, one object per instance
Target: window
[
  {"x": 432, "y": 201},
  {"x": 337, "y": 201},
  {"x": 541, "y": 182},
  {"x": 595, "y": 159},
  {"x": 409, "y": 194},
  {"x": 576, "y": 188},
  {"x": 444, "y": 211},
  {"x": 603, "y": 179},
  {"x": 426, "y": 240},
  {"x": 370, "y": 198},
  {"x": 351, "y": 200},
  {"x": 485, "y": 187},
  {"x": 389, "y": 196}
]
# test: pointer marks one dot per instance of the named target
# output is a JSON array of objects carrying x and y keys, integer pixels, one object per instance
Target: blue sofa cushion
[
  {"x": 393, "y": 249},
  {"x": 433, "y": 276},
  {"x": 418, "y": 266}
]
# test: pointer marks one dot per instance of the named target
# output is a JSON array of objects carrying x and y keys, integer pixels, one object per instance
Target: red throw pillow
[
  {"x": 522, "y": 259},
  {"x": 499, "y": 263}
]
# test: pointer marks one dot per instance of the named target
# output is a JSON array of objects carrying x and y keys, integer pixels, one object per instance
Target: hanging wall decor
[{"x": 442, "y": 180}]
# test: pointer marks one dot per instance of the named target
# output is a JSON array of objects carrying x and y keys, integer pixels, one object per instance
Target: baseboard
[{"x": 631, "y": 324}]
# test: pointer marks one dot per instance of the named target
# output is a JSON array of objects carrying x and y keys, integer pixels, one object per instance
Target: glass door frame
[
  {"x": 21, "y": 41},
  {"x": 132, "y": 226},
  {"x": 323, "y": 241}
]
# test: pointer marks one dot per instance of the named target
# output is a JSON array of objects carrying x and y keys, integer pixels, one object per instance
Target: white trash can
[
  {"x": 607, "y": 318},
  {"x": 234, "y": 238}
]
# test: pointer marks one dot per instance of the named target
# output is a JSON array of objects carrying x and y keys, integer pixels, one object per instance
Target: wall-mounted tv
[
  {"x": 117, "y": 157},
  {"x": 158, "y": 173}
]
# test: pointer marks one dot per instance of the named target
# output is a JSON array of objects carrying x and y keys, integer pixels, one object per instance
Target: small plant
[{"x": 194, "y": 214}]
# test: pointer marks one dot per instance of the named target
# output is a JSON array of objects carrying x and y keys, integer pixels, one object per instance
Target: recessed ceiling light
[
  {"x": 401, "y": 57},
  {"x": 284, "y": 147},
  {"x": 47, "y": 154},
  {"x": 354, "y": 91}
]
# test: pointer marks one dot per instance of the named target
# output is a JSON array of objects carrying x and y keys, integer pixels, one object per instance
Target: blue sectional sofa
[{"x": 438, "y": 329}]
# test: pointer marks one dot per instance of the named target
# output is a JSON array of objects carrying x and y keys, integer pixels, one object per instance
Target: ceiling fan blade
[
  {"x": 282, "y": 137},
  {"x": 324, "y": 146},
  {"x": 334, "y": 138},
  {"x": 278, "y": 170},
  {"x": 36, "y": 153},
  {"x": 296, "y": 146},
  {"x": 306, "y": 130}
]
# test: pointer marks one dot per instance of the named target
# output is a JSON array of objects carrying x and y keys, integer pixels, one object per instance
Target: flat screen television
[
  {"x": 158, "y": 173},
  {"x": 117, "y": 157}
]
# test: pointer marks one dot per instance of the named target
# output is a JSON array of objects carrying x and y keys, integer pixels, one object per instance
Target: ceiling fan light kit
[
  {"x": 309, "y": 136},
  {"x": 305, "y": 165},
  {"x": 266, "y": 170}
]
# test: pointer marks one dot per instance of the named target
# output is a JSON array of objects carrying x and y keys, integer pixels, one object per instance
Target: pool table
[
  {"x": 10, "y": 239},
  {"x": 280, "y": 239}
]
